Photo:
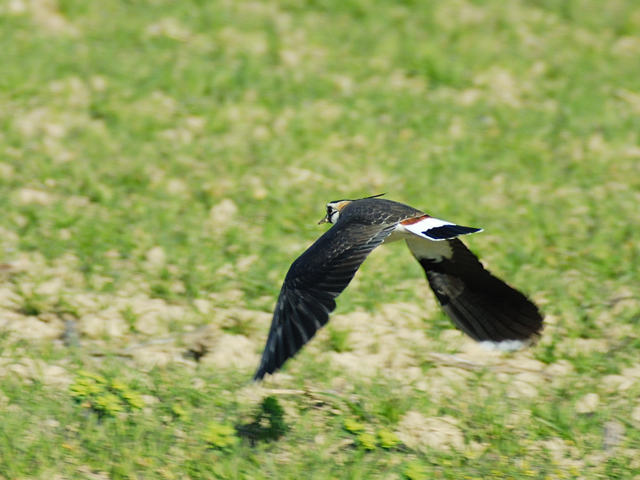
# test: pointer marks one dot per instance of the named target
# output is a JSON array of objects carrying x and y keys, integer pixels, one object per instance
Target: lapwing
[{"x": 479, "y": 304}]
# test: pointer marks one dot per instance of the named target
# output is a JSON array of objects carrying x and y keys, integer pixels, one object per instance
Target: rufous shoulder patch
[{"x": 411, "y": 221}]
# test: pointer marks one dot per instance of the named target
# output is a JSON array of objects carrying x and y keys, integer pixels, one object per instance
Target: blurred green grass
[{"x": 217, "y": 131}]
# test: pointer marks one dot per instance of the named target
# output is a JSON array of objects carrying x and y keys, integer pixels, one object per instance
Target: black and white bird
[{"x": 481, "y": 305}]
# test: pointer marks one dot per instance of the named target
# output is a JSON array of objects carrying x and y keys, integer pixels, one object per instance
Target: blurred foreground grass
[{"x": 162, "y": 164}]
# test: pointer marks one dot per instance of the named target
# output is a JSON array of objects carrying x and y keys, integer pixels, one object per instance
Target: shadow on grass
[{"x": 268, "y": 424}]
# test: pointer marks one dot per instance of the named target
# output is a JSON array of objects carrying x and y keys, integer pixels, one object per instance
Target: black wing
[
  {"x": 313, "y": 282},
  {"x": 481, "y": 305}
]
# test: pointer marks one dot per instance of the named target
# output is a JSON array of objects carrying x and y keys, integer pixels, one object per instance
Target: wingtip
[{"x": 260, "y": 374}]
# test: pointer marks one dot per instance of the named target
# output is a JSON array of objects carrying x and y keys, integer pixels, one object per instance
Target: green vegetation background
[{"x": 162, "y": 164}]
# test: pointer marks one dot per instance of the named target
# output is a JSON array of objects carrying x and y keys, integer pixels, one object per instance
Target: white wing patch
[
  {"x": 505, "y": 345},
  {"x": 422, "y": 247}
]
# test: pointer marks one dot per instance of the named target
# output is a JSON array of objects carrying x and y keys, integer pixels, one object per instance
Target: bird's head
[
  {"x": 334, "y": 208},
  {"x": 333, "y": 211}
]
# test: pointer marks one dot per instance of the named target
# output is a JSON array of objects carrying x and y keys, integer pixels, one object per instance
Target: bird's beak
[{"x": 324, "y": 220}]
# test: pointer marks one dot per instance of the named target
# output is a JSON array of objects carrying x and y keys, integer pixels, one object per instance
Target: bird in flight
[{"x": 479, "y": 304}]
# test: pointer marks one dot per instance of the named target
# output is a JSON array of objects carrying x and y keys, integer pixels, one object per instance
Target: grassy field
[{"x": 162, "y": 163}]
